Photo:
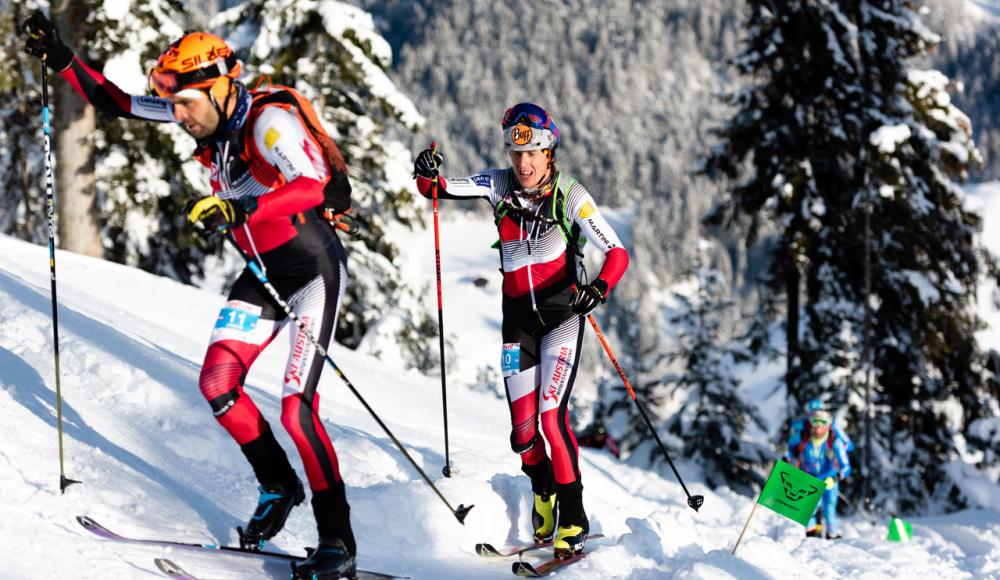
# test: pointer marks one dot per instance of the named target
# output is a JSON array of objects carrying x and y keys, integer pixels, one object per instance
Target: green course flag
[
  {"x": 791, "y": 492},
  {"x": 900, "y": 530}
]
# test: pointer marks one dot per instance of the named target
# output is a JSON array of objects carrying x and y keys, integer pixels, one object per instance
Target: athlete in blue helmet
[
  {"x": 543, "y": 217},
  {"x": 824, "y": 456}
]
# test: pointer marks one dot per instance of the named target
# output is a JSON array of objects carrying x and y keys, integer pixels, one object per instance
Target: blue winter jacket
[{"x": 827, "y": 460}]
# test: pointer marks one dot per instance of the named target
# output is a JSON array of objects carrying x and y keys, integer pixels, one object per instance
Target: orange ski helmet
[{"x": 197, "y": 60}]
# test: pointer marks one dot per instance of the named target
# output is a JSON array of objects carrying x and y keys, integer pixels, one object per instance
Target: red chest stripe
[
  {"x": 510, "y": 231},
  {"x": 542, "y": 275}
]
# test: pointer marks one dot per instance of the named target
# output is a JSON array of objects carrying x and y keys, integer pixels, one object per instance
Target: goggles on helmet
[
  {"x": 165, "y": 82},
  {"x": 527, "y": 127},
  {"x": 527, "y": 114}
]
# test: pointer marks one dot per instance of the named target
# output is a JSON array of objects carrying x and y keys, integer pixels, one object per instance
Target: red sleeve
[
  {"x": 299, "y": 195},
  {"x": 424, "y": 186},
  {"x": 106, "y": 97},
  {"x": 615, "y": 263}
]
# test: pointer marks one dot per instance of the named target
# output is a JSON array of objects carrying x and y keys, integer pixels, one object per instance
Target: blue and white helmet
[{"x": 528, "y": 127}]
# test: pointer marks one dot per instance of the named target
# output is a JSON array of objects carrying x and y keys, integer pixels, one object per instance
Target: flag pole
[{"x": 747, "y": 524}]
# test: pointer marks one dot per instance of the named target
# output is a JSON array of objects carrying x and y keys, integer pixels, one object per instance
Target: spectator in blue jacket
[{"x": 824, "y": 456}]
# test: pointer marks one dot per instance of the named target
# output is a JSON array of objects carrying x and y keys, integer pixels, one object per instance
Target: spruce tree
[
  {"x": 839, "y": 125},
  {"x": 925, "y": 262},
  {"x": 713, "y": 420}
]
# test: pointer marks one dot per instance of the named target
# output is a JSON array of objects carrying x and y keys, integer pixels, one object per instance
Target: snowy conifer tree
[
  {"x": 926, "y": 260},
  {"x": 22, "y": 180},
  {"x": 713, "y": 419},
  {"x": 838, "y": 120}
]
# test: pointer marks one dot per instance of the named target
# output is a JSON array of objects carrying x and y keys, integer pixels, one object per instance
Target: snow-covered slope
[{"x": 155, "y": 464}]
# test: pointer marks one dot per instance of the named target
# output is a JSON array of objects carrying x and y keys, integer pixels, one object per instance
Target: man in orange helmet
[{"x": 269, "y": 173}]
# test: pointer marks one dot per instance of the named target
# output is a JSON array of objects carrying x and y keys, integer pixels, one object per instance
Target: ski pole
[
  {"x": 64, "y": 481},
  {"x": 462, "y": 510},
  {"x": 694, "y": 501},
  {"x": 446, "y": 470}
]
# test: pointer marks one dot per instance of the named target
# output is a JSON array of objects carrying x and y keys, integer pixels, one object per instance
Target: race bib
[
  {"x": 510, "y": 359},
  {"x": 237, "y": 319}
]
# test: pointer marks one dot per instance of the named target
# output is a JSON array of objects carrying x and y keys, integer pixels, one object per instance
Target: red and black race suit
[{"x": 270, "y": 163}]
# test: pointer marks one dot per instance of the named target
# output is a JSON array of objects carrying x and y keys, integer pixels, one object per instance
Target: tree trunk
[
  {"x": 794, "y": 358},
  {"x": 74, "y": 123}
]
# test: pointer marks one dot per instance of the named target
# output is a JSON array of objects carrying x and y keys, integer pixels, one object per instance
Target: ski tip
[
  {"x": 486, "y": 550},
  {"x": 88, "y": 522},
  {"x": 461, "y": 512},
  {"x": 524, "y": 570}
]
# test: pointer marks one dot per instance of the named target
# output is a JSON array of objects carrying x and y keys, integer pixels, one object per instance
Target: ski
[
  {"x": 172, "y": 570},
  {"x": 488, "y": 551},
  {"x": 546, "y": 567},
  {"x": 97, "y": 529}
]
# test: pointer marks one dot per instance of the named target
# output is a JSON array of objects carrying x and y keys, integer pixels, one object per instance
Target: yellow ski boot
[
  {"x": 569, "y": 541},
  {"x": 543, "y": 517}
]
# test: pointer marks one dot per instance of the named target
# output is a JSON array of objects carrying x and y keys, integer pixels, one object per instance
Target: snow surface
[{"x": 155, "y": 464}]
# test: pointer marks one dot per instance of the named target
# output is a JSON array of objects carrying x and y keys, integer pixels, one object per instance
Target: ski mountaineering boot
[
  {"x": 329, "y": 561},
  {"x": 280, "y": 489},
  {"x": 275, "y": 503},
  {"x": 571, "y": 535},
  {"x": 543, "y": 516},
  {"x": 543, "y": 488},
  {"x": 569, "y": 540}
]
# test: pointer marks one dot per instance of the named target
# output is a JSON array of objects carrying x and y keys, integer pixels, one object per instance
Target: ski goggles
[
  {"x": 820, "y": 422},
  {"x": 531, "y": 115},
  {"x": 165, "y": 82}
]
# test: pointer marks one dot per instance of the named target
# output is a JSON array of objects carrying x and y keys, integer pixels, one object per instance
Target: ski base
[{"x": 489, "y": 551}]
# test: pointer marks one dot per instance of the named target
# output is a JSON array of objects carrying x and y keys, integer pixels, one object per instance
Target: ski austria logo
[
  {"x": 794, "y": 494},
  {"x": 520, "y": 135},
  {"x": 300, "y": 352}
]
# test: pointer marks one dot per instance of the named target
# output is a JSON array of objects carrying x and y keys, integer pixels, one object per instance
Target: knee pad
[{"x": 522, "y": 448}]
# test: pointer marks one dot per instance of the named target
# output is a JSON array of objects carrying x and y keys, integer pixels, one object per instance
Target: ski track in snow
[{"x": 155, "y": 464}]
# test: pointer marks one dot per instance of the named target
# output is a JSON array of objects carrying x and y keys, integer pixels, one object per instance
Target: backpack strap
[{"x": 569, "y": 230}]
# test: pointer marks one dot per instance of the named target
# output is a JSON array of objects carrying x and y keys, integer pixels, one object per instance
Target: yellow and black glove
[
  {"x": 589, "y": 297},
  {"x": 217, "y": 215},
  {"x": 830, "y": 482}
]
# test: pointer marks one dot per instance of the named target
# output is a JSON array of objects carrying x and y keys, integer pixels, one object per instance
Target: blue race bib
[{"x": 510, "y": 359}]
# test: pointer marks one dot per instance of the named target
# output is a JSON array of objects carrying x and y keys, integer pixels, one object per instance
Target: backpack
[
  {"x": 337, "y": 187},
  {"x": 557, "y": 203}
]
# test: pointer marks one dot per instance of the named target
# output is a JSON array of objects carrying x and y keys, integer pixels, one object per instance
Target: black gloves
[
  {"x": 42, "y": 40},
  {"x": 589, "y": 297},
  {"x": 427, "y": 164},
  {"x": 217, "y": 215}
]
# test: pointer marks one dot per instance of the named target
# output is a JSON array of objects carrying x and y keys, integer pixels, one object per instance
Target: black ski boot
[
  {"x": 329, "y": 561},
  {"x": 275, "y": 503}
]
